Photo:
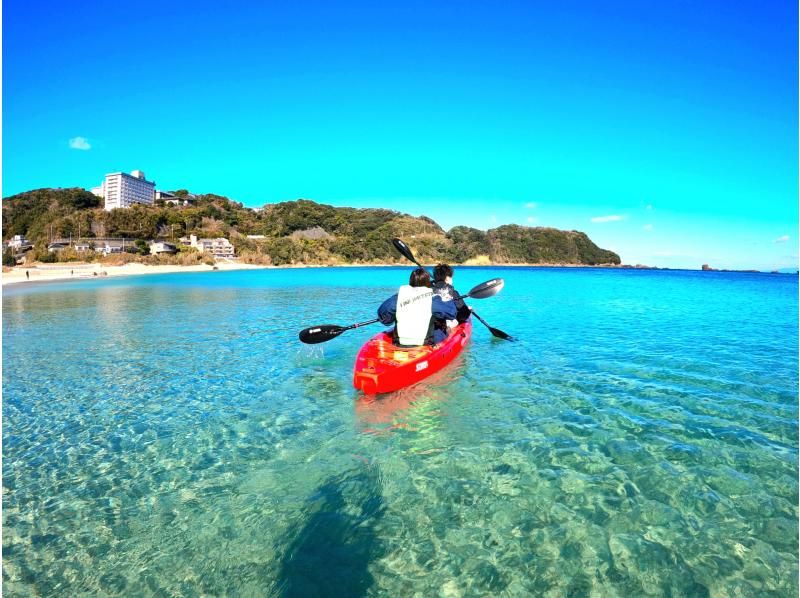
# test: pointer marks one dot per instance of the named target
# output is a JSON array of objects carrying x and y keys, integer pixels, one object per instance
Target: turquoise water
[{"x": 168, "y": 435}]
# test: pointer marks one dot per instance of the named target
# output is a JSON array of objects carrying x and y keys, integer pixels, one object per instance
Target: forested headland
[{"x": 292, "y": 232}]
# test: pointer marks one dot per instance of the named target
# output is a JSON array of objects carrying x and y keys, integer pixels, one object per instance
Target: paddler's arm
[
  {"x": 387, "y": 310},
  {"x": 444, "y": 310},
  {"x": 463, "y": 310}
]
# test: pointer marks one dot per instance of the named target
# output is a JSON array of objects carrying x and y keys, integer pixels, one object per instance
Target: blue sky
[{"x": 667, "y": 131}]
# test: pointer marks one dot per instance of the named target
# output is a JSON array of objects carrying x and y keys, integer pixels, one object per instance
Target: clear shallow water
[{"x": 168, "y": 435}]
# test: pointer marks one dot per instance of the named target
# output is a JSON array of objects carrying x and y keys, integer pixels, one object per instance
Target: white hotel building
[{"x": 122, "y": 190}]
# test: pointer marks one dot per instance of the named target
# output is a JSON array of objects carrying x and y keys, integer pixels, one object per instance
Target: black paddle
[
  {"x": 495, "y": 331},
  {"x": 325, "y": 332},
  {"x": 403, "y": 248}
]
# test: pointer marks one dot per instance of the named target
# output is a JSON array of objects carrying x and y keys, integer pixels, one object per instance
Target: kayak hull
[{"x": 383, "y": 367}]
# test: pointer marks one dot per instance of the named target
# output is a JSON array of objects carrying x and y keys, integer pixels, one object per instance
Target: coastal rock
[{"x": 316, "y": 232}]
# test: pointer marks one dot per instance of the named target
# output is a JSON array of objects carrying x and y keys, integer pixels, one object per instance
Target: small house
[{"x": 160, "y": 247}]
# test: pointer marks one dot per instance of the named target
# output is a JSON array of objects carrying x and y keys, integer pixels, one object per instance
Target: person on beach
[
  {"x": 416, "y": 309},
  {"x": 443, "y": 287}
]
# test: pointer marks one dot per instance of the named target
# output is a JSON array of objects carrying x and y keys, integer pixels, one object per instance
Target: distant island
[
  {"x": 707, "y": 268},
  {"x": 70, "y": 225}
]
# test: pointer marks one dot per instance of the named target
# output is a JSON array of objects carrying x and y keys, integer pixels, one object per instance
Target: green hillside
[{"x": 299, "y": 231}]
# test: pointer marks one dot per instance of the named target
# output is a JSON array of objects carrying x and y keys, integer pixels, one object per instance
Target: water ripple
[{"x": 170, "y": 436}]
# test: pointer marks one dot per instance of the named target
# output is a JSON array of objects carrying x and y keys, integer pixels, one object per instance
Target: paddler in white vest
[{"x": 416, "y": 309}]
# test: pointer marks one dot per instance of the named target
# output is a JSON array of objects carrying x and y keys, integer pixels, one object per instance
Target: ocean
[{"x": 169, "y": 435}]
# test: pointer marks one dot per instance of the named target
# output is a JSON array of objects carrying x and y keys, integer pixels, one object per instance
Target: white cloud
[
  {"x": 613, "y": 218},
  {"x": 80, "y": 143},
  {"x": 782, "y": 239},
  {"x": 648, "y": 227},
  {"x": 531, "y": 204},
  {"x": 531, "y": 219}
]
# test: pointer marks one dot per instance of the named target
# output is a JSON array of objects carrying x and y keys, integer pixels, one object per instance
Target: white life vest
[{"x": 413, "y": 314}]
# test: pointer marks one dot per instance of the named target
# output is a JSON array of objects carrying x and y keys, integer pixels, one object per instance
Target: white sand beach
[{"x": 77, "y": 271}]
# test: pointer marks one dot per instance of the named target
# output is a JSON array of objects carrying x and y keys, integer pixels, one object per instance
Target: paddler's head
[
  {"x": 420, "y": 278},
  {"x": 443, "y": 273}
]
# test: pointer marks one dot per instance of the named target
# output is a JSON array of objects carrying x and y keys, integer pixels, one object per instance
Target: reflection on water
[
  {"x": 408, "y": 406},
  {"x": 170, "y": 436}
]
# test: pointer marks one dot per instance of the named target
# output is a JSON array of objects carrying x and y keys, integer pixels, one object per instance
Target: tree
[
  {"x": 45, "y": 256},
  {"x": 8, "y": 257}
]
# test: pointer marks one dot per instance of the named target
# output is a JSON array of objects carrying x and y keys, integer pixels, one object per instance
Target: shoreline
[{"x": 92, "y": 271}]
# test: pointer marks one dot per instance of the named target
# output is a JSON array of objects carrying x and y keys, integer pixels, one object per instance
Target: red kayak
[{"x": 383, "y": 367}]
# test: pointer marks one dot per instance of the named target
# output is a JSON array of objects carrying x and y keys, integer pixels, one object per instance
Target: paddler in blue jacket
[
  {"x": 416, "y": 309},
  {"x": 443, "y": 286}
]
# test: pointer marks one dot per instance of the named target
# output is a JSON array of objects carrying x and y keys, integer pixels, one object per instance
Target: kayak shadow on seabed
[
  {"x": 379, "y": 414},
  {"x": 329, "y": 553}
]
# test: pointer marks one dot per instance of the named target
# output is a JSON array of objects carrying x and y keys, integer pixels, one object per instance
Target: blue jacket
[
  {"x": 440, "y": 310},
  {"x": 447, "y": 291}
]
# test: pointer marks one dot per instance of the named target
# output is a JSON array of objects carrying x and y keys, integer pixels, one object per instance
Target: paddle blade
[
  {"x": 320, "y": 334},
  {"x": 500, "y": 334},
  {"x": 403, "y": 248},
  {"x": 490, "y": 288},
  {"x": 495, "y": 331}
]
